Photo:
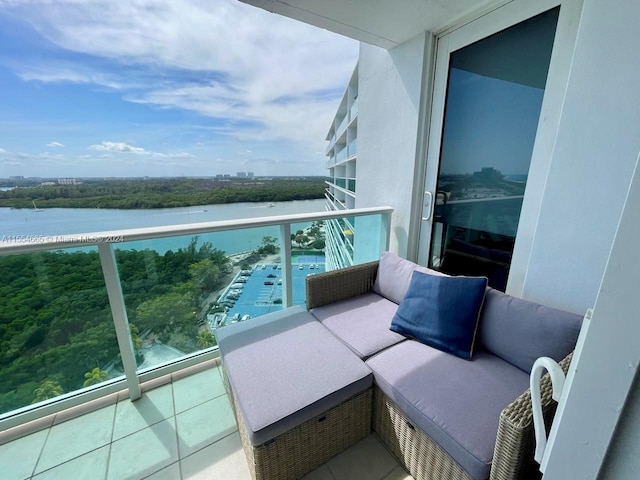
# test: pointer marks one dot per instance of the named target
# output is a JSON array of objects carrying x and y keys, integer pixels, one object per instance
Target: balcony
[
  {"x": 341, "y": 155},
  {"x": 182, "y": 428},
  {"x": 353, "y": 111},
  {"x": 343, "y": 125},
  {"x": 352, "y": 148},
  {"x": 174, "y": 321},
  {"x": 180, "y": 423}
]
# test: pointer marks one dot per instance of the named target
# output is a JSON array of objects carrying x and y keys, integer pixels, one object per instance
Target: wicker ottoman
[{"x": 300, "y": 395}]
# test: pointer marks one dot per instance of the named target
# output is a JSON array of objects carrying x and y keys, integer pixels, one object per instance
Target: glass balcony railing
[
  {"x": 353, "y": 111},
  {"x": 351, "y": 185},
  {"x": 352, "y": 148},
  {"x": 341, "y": 182},
  {"x": 83, "y": 316},
  {"x": 341, "y": 155},
  {"x": 343, "y": 125}
]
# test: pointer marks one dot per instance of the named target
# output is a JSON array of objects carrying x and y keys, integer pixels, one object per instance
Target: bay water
[{"x": 66, "y": 221}]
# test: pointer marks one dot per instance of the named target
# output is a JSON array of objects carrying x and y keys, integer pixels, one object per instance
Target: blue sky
[{"x": 164, "y": 88}]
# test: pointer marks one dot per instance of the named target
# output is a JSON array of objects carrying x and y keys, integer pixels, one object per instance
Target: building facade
[{"x": 341, "y": 185}]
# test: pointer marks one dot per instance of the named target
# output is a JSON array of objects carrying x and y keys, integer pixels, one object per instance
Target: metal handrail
[{"x": 35, "y": 243}]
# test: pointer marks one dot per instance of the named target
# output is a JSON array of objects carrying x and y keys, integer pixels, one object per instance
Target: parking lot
[{"x": 257, "y": 298}]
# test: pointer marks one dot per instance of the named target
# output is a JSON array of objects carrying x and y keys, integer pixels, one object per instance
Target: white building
[
  {"x": 575, "y": 245},
  {"x": 341, "y": 186}
]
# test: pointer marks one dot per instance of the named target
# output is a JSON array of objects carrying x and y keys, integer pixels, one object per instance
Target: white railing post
[
  {"x": 120, "y": 320},
  {"x": 287, "y": 292},
  {"x": 385, "y": 231}
]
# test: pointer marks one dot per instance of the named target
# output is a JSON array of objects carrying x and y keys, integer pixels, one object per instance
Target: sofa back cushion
[
  {"x": 442, "y": 312},
  {"x": 394, "y": 276},
  {"x": 520, "y": 331}
]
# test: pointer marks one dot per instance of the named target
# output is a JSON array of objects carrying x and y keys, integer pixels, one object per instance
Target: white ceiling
[{"x": 385, "y": 23}]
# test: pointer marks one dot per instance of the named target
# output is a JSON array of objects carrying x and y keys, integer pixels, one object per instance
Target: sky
[
  {"x": 489, "y": 122},
  {"x": 95, "y": 88}
]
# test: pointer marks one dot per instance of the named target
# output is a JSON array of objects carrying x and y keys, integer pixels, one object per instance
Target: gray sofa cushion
[
  {"x": 520, "y": 331},
  {"x": 285, "y": 368},
  {"x": 455, "y": 401},
  {"x": 361, "y": 322},
  {"x": 394, "y": 276}
]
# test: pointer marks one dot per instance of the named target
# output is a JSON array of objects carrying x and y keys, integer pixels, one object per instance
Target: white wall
[
  {"x": 390, "y": 84},
  {"x": 623, "y": 461},
  {"x": 594, "y": 155}
]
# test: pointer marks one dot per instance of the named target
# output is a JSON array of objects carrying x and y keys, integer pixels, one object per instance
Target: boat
[
  {"x": 36, "y": 209},
  {"x": 270, "y": 205}
]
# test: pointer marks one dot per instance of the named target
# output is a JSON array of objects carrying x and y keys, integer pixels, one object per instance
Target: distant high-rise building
[
  {"x": 219, "y": 175},
  {"x": 241, "y": 174},
  {"x": 68, "y": 181},
  {"x": 341, "y": 187},
  {"x": 249, "y": 174}
]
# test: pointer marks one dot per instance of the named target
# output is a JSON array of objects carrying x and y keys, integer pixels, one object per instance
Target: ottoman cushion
[{"x": 285, "y": 368}]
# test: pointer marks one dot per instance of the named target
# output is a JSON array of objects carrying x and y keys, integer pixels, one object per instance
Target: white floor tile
[
  {"x": 144, "y": 452},
  {"x": 320, "y": 473},
  {"x": 398, "y": 474},
  {"x": 91, "y": 465},
  {"x": 18, "y": 458},
  {"x": 76, "y": 437},
  {"x": 204, "y": 424},
  {"x": 367, "y": 459},
  {"x": 197, "y": 388},
  {"x": 153, "y": 407},
  {"x": 172, "y": 472},
  {"x": 224, "y": 460}
]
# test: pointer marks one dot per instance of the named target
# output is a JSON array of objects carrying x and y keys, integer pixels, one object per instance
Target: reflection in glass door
[{"x": 493, "y": 100}]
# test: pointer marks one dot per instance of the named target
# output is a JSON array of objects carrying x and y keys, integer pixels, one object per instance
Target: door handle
[{"x": 427, "y": 205}]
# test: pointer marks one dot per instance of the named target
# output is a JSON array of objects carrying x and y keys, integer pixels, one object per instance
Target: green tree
[
  {"x": 135, "y": 337},
  {"x": 47, "y": 389},
  {"x": 94, "y": 377},
  {"x": 205, "y": 339},
  {"x": 165, "y": 312},
  {"x": 205, "y": 274},
  {"x": 318, "y": 244}
]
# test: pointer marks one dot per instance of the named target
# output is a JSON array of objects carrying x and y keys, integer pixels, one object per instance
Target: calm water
[{"x": 64, "y": 221}]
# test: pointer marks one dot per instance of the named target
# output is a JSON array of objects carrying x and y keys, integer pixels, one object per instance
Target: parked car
[
  {"x": 275, "y": 266},
  {"x": 268, "y": 282},
  {"x": 245, "y": 317},
  {"x": 271, "y": 275},
  {"x": 237, "y": 286},
  {"x": 300, "y": 267},
  {"x": 245, "y": 273}
]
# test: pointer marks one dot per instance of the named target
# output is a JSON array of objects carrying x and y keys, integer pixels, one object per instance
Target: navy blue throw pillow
[{"x": 442, "y": 312}]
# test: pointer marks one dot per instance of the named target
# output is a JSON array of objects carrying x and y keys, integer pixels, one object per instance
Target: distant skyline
[{"x": 164, "y": 88}]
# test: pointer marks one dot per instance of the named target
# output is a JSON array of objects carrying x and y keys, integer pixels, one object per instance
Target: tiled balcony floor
[{"x": 184, "y": 429}]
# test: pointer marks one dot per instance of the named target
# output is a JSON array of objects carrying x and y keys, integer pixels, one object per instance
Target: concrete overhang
[{"x": 385, "y": 23}]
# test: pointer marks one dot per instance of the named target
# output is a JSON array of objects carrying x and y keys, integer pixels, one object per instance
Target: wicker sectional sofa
[{"x": 443, "y": 417}]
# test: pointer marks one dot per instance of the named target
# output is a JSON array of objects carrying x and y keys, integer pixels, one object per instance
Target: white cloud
[
  {"x": 2, "y": 150},
  {"x": 117, "y": 147},
  {"x": 221, "y": 59},
  {"x": 55, "y": 144}
]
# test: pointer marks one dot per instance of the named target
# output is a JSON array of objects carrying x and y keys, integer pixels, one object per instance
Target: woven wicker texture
[
  {"x": 300, "y": 450},
  {"x": 330, "y": 287},
  {"x": 415, "y": 450},
  {"x": 513, "y": 454}
]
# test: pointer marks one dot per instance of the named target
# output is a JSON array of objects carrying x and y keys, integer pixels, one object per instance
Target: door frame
[{"x": 486, "y": 25}]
